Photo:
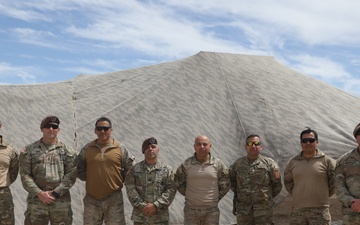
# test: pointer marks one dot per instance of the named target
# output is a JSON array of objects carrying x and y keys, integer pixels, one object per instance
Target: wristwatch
[{"x": 54, "y": 194}]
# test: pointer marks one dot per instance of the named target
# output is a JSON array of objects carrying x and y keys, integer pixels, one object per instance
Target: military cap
[
  {"x": 356, "y": 130},
  {"x": 147, "y": 142},
  {"x": 49, "y": 119}
]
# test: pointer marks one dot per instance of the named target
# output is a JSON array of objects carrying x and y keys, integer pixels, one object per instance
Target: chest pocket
[
  {"x": 352, "y": 170},
  {"x": 257, "y": 175}
]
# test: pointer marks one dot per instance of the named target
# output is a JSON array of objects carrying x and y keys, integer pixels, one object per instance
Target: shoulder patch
[{"x": 276, "y": 173}]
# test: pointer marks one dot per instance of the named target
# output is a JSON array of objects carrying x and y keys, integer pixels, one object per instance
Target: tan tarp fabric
[{"x": 225, "y": 96}]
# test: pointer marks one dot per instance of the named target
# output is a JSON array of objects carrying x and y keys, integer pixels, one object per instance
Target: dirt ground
[{"x": 282, "y": 211}]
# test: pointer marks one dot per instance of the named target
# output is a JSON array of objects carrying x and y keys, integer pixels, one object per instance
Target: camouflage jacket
[
  {"x": 47, "y": 169},
  {"x": 255, "y": 184},
  {"x": 222, "y": 171},
  {"x": 150, "y": 184},
  {"x": 9, "y": 163},
  {"x": 347, "y": 177}
]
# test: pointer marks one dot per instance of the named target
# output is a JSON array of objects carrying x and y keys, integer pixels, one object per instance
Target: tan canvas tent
[{"x": 225, "y": 96}]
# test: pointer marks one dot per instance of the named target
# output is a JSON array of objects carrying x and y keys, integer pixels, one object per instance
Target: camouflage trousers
[
  {"x": 350, "y": 217},
  {"x": 206, "y": 216},
  {"x": 163, "y": 223},
  {"x": 258, "y": 217},
  {"x": 57, "y": 213},
  {"x": 6, "y": 207},
  {"x": 109, "y": 210},
  {"x": 310, "y": 216}
]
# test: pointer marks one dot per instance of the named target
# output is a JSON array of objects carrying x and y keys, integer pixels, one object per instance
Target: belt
[{"x": 46, "y": 188}]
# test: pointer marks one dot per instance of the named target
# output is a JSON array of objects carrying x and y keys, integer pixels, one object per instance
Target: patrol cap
[
  {"x": 356, "y": 130},
  {"x": 147, "y": 142},
  {"x": 49, "y": 119}
]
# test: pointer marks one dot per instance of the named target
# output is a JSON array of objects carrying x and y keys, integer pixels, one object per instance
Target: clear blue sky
[{"x": 47, "y": 41}]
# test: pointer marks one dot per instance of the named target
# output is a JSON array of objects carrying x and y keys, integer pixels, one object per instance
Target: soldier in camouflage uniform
[
  {"x": 347, "y": 185},
  {"x": 103, "y": 164},
  {"x": 309, "y": 178},
  {"x": 203, "y": 179},
  {"x": 9, "y": 168},
  {"x": 48, "y": 171},
  {"x": 150, "y": 187},
  {"x": 255, "y": 181}
]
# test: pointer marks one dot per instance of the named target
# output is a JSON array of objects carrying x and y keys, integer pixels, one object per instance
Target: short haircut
[
  {"x": 308, "y": 130},
  {"x": 251, "y": 136},
  {"x": 103, "y": 119}
]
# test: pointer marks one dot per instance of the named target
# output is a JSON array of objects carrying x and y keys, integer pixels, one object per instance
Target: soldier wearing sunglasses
[
  {"x": 48, "y": 171},
  {"x": 309, "y": 178},
  {"x": 347, "y": 186},
  {"x": 103, "y": 164},
  {"x": 255, "y": 181}
]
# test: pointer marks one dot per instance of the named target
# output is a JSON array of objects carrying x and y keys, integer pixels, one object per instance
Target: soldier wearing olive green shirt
[
  {"x": 150, "y": 187},
  {"x": 255, "y": 181},
  {"x": 347, "y": 182},
  {"x": 48, "y": 171}
]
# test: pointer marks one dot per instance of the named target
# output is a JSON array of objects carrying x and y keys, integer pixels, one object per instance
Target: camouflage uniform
[
  {"x": 347, "y": 185},
  {"x": 255, "y": 184},
  {"x": 207, "y": 216},
  {"x": 150, "y": 184},
  {"x": 9, "y": 168},
  {"x": 48, "y": 168},
  {"x": 311, "y": 214},
  {"x": 108, "y": 208}
]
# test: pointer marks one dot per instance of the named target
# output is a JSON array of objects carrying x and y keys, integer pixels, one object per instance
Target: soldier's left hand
[{"x": 355, "y": 205}]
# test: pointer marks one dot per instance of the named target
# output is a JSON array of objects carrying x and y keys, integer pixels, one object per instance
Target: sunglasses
[
  {"x": 306, "y": 140},
  {"x": 53, "y": 126},
  {"x": 253, "y": 143},
  {"x": 104, "y": 128}
]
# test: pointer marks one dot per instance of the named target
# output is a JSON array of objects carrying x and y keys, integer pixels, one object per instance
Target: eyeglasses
[
  {"x": 306, "y": 140},
  {"x": 104, "y": 128},
  {"x": 50, "y": 125},
  {"x": 253, "y": 143}
]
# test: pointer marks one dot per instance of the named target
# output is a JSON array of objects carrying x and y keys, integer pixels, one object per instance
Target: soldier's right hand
[{"x": 46, "y": 197}]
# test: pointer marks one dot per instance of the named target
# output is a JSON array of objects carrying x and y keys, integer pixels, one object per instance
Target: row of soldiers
[{"x": 49, "y": 168}]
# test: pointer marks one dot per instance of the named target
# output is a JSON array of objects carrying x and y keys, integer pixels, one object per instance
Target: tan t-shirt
[
  {"x": 202, "y": 190},
  {"x": 6, "y": 154}
]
